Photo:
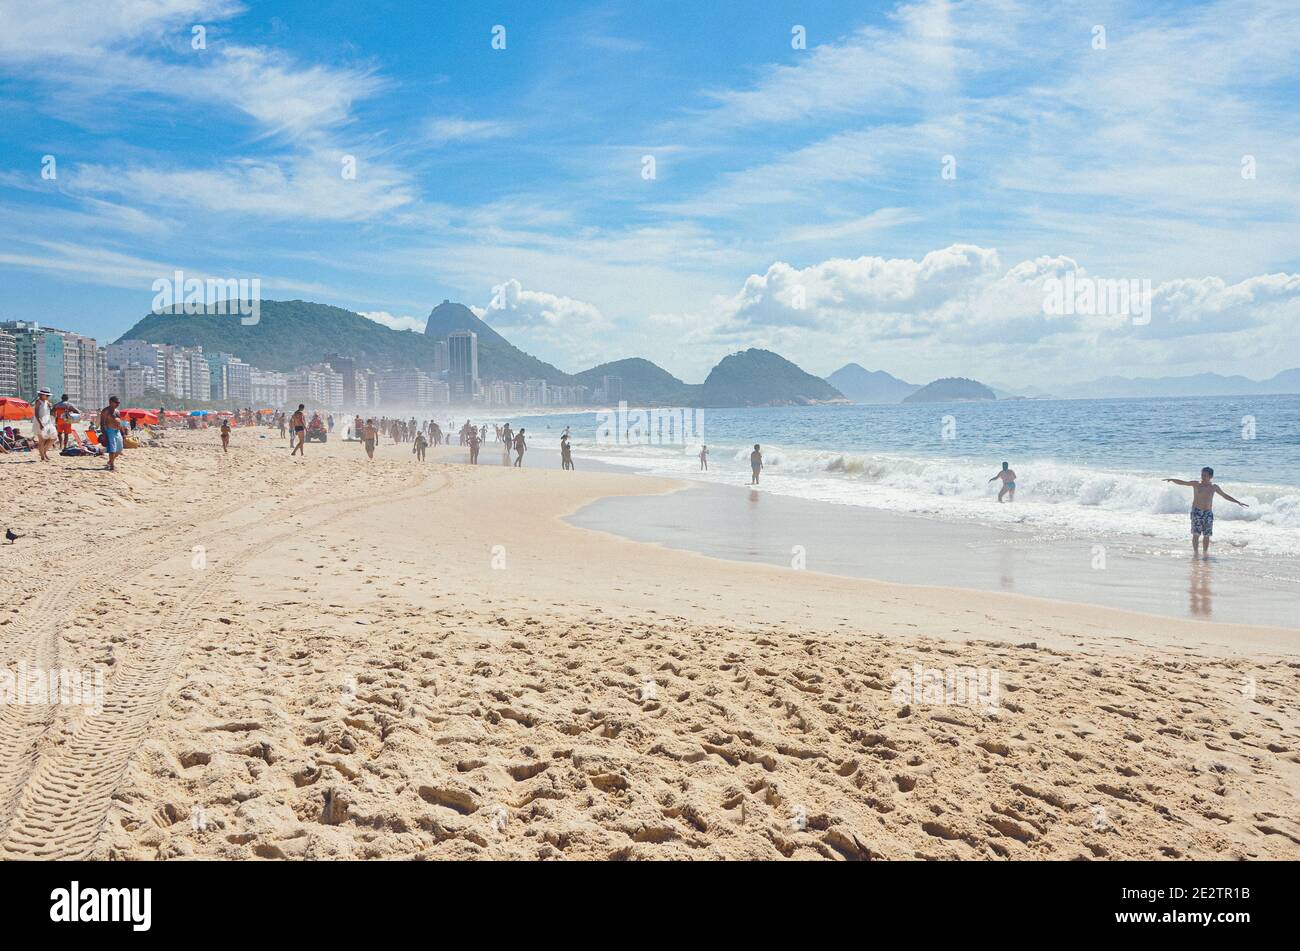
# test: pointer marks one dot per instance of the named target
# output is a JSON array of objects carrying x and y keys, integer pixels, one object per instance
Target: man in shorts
[
  {"x": 1203, "y": 494},
  {"x": 110, "y": 427}
]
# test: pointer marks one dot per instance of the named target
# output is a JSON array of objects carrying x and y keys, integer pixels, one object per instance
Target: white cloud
[
  {"x": 454, "y": 129},
  {"x": 394, "y": 322},
  {"x": 513, "y": 306}
]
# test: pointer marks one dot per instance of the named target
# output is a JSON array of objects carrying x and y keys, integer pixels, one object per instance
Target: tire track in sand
[{"x": 65, "y": 799}]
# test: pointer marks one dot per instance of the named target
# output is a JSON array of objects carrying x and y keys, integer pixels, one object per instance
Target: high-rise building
[
  {"x": 613, "y": 387},
  {"x": 268, "y": 390},
  {"x": 462, "y": 356},
  {"x": 39, "y": 358},
  {"x": 8, "y": 365},
  {"x": 85, "y": 371},
  {"x": 347, "y": 368},
  {"x": 230, "y": 378},
  {"x": 318, "y": 386},
  {"x": 409, "y": 389},
  {"x": 440, "y": 363}
]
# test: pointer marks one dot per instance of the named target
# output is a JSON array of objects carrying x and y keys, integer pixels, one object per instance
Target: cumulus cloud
[
  {"x": 513, "y": 306},
  {"x": 403, "y": 322}
]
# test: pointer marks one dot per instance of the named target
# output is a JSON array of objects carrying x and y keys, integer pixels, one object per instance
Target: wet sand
[{"x": 1128, "y": 572}]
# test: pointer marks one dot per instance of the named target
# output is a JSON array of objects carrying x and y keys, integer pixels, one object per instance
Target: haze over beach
[{"x": 649, "y": 432}]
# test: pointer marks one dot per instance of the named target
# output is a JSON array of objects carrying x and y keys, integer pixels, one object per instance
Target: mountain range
[
  {"x": 289, "y": 334},
  {"x": 294, "y": 333}
]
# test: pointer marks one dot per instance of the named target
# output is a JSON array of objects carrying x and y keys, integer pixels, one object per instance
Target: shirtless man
[
  {"x": 111, "y": 429},
  {"x": 704, "y": 458},
  {"x": 1008, "y": 477},
  {"x": 63, "y": 425},
  {"x": 420, "y": 444},
  {"x": 1203, "y": 494},
  {"x": 566, "y": 451},
  {"x": 369, "y": 436},
  {"x": 520, "y": 448},
  {"x": 475, "y": 441},
  {"x": 298, "y": 422}
]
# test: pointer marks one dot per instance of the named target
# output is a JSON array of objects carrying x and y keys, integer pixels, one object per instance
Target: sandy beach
[{"x": 325, "y": 658}]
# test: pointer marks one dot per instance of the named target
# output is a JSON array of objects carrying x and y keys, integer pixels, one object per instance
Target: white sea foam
[{"x": 1051, "y": 496}]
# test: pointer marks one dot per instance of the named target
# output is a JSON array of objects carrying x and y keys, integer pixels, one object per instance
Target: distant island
[
  {"x": 870, "y": 386},
  {"x": 951, "y": 389}
]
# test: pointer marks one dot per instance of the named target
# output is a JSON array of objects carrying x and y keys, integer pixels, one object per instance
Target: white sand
[{"x": 317, "y": 658}]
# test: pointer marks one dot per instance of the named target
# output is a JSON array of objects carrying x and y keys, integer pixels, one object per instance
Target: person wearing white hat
[{"x": 43, "y": 430}]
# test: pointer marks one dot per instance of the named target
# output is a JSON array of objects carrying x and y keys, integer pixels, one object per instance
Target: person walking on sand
[
  {"x": 225, "y": 435},
  {"x": 369, "y": 436},
  {"x": 1203, "y": 494},
  {"x": 420, "y": 444},
  {"x": 704, "y": 458},
  {"x": 280, "y": 417},
  {"x": 566, "y": 451},
  {"x": 44, "y": 431},
  {"x": 520, "y": 447},
  {"x": 1008, "y": 477},
  {"x": 110, "y": 428},
  {"x": 755, "y": 464},
  {"x": 299, "y": 424},
  {"x": 475, "y": 441}
]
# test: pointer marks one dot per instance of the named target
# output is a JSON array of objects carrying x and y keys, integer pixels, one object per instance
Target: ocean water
[{"x": 1089, "y": 468}]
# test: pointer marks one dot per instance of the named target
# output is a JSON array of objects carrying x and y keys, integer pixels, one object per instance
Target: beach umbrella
[
  {"x": 147, "y": 416},
  {"x": 173, "y": 414},
  {"x": 198, "y": 412},
  {"x": 11, "y": 407}
]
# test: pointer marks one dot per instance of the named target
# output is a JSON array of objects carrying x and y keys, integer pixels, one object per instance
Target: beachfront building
[
  {"x": 267, "y": 389},
  {"x": 8, "y": 365},
  {"x": 85, "y": 372},
  {"x": 409, "y": 389},
  {"x": 441, "y": 364},
  {"x": 354, "y": 381},
  {"x": 128, "y": 353},
  {"x": 230, "y": 378},
  {"x": 462, "y": 370},
  {"x": 39, "y": 357},
  {"x": 129, "y": 383},
  {"x": 318, "y": 386}
]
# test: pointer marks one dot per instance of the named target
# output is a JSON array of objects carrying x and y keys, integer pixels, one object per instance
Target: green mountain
[
  {"x": 498, "y": 358},
  {"x": 762, "y": 378},
  {"x": 870, "y": 386},
  {"x": 951, "y": 389},
  {"x": 643, "y": 382},
  {"x": 293, "y": 333}
]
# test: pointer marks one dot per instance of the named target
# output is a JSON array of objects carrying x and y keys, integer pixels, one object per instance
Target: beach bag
[{"x": 130, "y": 442}]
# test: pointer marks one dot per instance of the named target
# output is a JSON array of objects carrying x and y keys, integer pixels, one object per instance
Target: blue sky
[{"x": 798, "y": 200}]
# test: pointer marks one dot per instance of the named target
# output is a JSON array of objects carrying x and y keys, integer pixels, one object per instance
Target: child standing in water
[{"x": 1203, "y": 494}]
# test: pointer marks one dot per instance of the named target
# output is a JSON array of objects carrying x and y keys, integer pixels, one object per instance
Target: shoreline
[
  {"x": 888, "y": 547},
  {"x": 401, "y": 660}
]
